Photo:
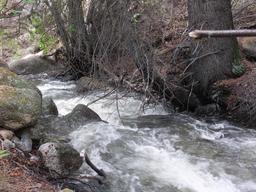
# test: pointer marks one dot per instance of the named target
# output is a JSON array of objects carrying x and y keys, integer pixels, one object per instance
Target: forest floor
[{"x": 19, "y": 173}]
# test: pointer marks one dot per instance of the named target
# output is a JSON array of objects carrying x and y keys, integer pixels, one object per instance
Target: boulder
[
  {"x": 19, "y": 107},
  {"x": 49, "y": 107},
  {"x": 248, "y": 46},
  {"x": 50, "y": 128},
  {"x": 20, "y": 101},
  {"x": 61, "y": 158},
  {"x": 80, "y": 115},
  {"x": 32, "y": 64},
  {"x": 11, "y": 79}
]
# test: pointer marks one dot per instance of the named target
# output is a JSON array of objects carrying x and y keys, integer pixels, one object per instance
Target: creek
[{"x": 147, "y": 149}]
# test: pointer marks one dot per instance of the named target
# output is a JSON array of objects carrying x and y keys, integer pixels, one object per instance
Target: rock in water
[
  {"x": 49, "y": 107},
  {"x": 83, "y": 114},
  {"x": 61, "y": 158},
  {"x": 51, "y": 128}
]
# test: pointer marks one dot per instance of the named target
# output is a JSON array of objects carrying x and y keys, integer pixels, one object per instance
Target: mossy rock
[
  {"x": 19, "y": 107},
  {"x": 11, "y": 79}
]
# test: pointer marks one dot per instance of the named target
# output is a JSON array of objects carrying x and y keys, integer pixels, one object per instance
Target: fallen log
[{"x": 198, "y": 34}]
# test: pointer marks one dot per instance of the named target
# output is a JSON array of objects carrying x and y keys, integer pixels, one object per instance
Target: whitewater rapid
[{"x": 146, "y": 149}]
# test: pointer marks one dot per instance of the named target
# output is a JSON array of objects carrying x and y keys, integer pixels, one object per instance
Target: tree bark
[{"x": 211, "y": 15}]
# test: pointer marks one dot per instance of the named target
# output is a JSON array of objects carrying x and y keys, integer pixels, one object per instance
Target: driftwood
[{"x": 198, "y": 34}]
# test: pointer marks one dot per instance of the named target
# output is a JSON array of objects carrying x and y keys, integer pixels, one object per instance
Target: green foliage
[
  {"x": 238, "y": 70},
  {"x": 4, "y": 153},
  {"x": 46, "y": 42},
  {"x": 39, "y": 31}
]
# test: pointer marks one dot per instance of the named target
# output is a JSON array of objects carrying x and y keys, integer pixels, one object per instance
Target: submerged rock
[{"x": 61, "y": 158}]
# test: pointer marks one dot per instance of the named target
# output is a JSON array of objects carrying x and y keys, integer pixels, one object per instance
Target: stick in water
[{"x": 100, "y": 172}]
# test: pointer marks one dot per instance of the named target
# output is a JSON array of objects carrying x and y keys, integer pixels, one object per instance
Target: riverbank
[{"x": 25, "y": 174}]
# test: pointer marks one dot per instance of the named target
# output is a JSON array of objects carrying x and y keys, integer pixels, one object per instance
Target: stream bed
[{"x": 146, "y": 149}]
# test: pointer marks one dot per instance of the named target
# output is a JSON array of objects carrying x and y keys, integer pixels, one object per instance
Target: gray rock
[
  {"x": 80, "y": 115},
  {"x": 61, "y": 158},
  {"x": 25, "y": 141},
  {"x": 52, "y": 128},
  {"x": 7, "y": 144},
  {"x": 49, "y": 107},
  {"x": 32, "y": 64}
]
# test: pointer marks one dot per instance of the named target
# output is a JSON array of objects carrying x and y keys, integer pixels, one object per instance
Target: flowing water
[{"x": 150, "y": 150}]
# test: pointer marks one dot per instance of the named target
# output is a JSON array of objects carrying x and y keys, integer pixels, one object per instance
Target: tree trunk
[
  {"x": 214, "y": 58},
  {"x": 81, "y": 53},
  {"x": 73, "y": 34}
]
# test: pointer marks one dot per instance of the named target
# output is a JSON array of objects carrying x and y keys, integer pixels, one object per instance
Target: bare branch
[{"x": 198, "y": 34}]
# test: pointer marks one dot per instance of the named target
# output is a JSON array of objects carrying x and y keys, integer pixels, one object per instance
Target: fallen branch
[
  {"x": 100, "y": 172},
  {"x": 198, "y": 34}
]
